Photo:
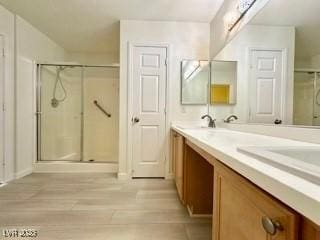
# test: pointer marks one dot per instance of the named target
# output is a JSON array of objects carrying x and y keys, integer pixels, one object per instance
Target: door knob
[
  {"x": 136, "y": 120},
  {"x": 278, "y": 121},
  {"x": 270, "y": 226}
]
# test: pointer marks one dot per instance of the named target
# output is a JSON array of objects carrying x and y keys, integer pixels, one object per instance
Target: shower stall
[
  {"x": 77, "y": 113},
  {"x": 306, "y": 103}
]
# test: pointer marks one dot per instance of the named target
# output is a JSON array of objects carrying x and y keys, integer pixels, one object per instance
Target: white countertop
[{"x": 298, "y": 193}]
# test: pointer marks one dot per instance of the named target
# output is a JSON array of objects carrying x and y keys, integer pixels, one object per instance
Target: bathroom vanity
[{"x": 246, "y": 198}]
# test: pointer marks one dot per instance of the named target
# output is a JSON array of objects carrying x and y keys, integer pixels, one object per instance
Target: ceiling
[
  {"x": 93, "y": 25},
  {"x": 304, "y": 15}
]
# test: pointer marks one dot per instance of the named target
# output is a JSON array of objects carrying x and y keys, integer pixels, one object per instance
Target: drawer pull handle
[{"x": 271, "y": 226}]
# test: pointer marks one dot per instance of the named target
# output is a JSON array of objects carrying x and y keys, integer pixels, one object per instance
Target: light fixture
[
  {"x": 244, "y": 5},
  {"x": 232, "y": 18}
]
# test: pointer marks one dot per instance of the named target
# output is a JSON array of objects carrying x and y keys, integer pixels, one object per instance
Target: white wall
[
  {"x": 31, "y": 46},
  {"x": 92, "y": 58},
  {"x": 187, "y": 41},
  {"x": 308, "y": 62},
  {"x": 7, "y": 29},
  {"x": 302, "y": 62},
  {"x": 265, "y": 37}
]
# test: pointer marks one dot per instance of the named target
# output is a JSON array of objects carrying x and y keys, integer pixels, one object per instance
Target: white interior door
[
  {"x": 149, "y": 73},
  {"x": 1, "y": 110},
  {"x": 265, "y": 86}
]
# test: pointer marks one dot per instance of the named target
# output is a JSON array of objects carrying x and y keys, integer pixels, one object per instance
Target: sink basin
[
  {"x": 310, "y": 156},
  {"x": 301, "y": 161}
]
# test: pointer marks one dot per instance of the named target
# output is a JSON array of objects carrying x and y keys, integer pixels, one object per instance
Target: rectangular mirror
[
  {"x": 195, "y": 76},
  {"x": 223, "y": 86}
]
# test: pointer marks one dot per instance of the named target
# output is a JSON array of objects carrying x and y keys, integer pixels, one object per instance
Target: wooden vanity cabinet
[
  {"x": 193, "y": 177},
  {"x": 198, "y": 182},
  {"x": 241, "y": 210},
  {"x": 178, "y": 143},
  {"x": 240, "y": 206},
  {"x": 309, "y": 230}
]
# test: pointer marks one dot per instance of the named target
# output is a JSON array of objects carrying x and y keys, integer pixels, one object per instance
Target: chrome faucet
[
  {"x": 230, "y": 119},
  {"x": 211, "y": 123}
]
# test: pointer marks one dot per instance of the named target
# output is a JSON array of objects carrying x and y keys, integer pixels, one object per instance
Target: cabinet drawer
[{"x": 244, "y": 212}]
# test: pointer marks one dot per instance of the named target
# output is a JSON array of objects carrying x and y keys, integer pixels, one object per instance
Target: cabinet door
[
  {"x": 240, "y": 206},
  {"x": 178, "y": 165},
  {"x": 309, "y": 230}
]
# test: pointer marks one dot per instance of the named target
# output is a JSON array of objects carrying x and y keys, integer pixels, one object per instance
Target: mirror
[
  {"x": 195, "y": 76},
  {"x": 223, "y": 82},
  {"x": 278, "y": 77}
]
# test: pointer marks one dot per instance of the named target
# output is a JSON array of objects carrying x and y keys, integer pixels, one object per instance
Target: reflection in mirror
[
  {"x": 223, "y": 82},
  {"x": 306, "y": 104},
  {"x": 302, "y": 103},
  {"x": 194, "y": 82},
  {"x": 278, "y": 78}
]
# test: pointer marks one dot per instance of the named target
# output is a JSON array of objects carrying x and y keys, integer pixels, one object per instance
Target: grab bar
[{"x": 101, "y": 108}]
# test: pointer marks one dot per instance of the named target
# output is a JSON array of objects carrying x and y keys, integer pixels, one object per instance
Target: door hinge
[
  {"x": 166, "y": 62},
  {"x": 3, "y": 107},
  {"x": 3, "y": 52}
]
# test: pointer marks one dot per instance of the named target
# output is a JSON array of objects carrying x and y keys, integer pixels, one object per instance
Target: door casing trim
[{"x": 3, "y": 112}]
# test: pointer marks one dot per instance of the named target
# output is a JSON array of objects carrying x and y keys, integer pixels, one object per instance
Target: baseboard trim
[
  {"x": 69, "y": 167},
  {"x": 123, "y": 176},
  {"x": 169, "y": 176},
  {"x": 23, "y": 173},
  {"x": 10, "y": 178},
  {"x": 191, "y": 214}
]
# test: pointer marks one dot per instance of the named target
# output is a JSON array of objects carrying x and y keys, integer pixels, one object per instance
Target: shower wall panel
[{"x": 100, "y": 131}]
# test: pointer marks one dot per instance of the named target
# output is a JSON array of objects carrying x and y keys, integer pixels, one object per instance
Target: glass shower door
[
  {"x": 303, "y": 98},
  {"x": 316, "y": 110},
  {"x": 306, "y": 98},
  {"x": 60, "y": 110},
  {"x": 101, "y": 114}
]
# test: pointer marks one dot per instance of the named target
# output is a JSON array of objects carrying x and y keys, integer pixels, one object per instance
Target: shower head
[{"x": 55, "y": 101}]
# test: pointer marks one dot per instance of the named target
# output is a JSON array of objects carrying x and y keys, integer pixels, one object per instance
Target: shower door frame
[
  {"x": 315, "y": 73},
  {"x": 38, "y": 108}
]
